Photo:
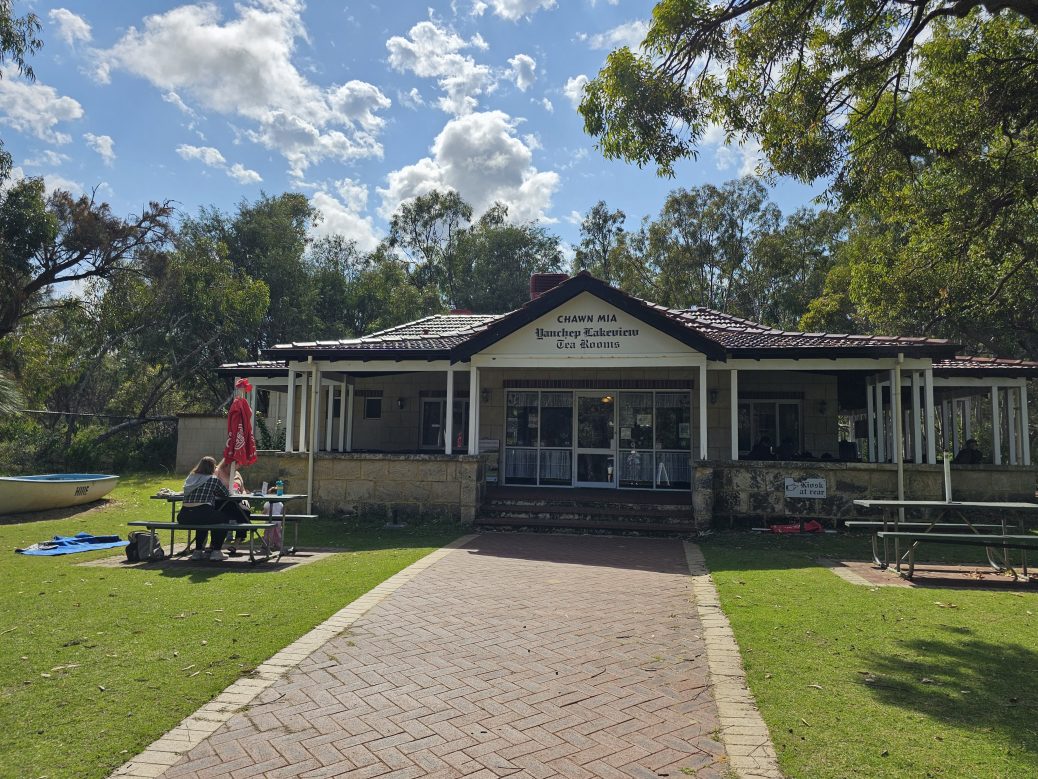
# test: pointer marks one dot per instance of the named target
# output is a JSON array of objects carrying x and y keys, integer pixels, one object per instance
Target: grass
[
  {"x": 95, "y": 663},
  {"x": 855, "y": 681}
]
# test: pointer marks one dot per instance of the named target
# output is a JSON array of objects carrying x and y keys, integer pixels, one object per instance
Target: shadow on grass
[
  {"x": 743, "y": 551},
  {"x": 964, "y": 682},
  {"x": 63, "y": 513}
]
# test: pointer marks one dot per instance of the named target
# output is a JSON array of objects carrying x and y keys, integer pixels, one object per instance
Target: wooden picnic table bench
[
  {"x": 253, "y": 528},
  {"x": 987, "y": 540},
  {"x": 890, "y": 528}
]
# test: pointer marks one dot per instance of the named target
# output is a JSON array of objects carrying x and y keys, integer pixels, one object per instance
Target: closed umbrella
[{"x": 240, "y": 449}]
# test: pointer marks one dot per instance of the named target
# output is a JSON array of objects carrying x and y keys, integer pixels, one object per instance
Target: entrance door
[{"x": 596, "y": 440}]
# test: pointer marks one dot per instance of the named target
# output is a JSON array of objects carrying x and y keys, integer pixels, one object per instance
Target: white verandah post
[
  {"x": 303, "y": 409},
  {"x": 349, "y": 417},
  {"x": 881, "y": 424},
  {"x": 1024, "y": 424},
  {"x": 734, "y": 418},
  {"x": 342, "y": 414},
  {"x": 702, "y": 413},
  {"x": 329, "y": 419},
  {"x": 448, "y": 423},
  {"x": 291, "y": 410},
  {"x": 930, "y": 426},
  {"x": 996, "y": 427},
  {"x": 473, "y": 409},
  {"x": 1011, "y": 424},
  {"x": 870, "y": 416}
]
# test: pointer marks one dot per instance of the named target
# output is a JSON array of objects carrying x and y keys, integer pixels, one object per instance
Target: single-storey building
[{"x": 587, "y": 395}]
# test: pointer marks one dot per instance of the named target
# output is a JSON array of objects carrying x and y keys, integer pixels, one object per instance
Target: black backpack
[{"x": 144, "y": 546}]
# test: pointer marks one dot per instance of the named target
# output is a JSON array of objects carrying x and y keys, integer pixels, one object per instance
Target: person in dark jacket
[
  {"x": 762, "y": 450},
  {"x": 202, "y": 491},
  {"x": 969, "y": 454}
]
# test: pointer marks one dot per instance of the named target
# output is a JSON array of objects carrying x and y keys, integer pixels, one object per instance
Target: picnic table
[
  {"x": 253, "y": 498},
  {"x": 943, "y": 516}
]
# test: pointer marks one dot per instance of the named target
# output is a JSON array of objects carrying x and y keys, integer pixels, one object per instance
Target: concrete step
[
  {"x": 515, "y": 523},
  {"x": 584, "y": 511}
]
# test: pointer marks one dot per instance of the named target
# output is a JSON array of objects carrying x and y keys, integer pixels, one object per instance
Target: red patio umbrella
[{"x": 241, "y": 443}]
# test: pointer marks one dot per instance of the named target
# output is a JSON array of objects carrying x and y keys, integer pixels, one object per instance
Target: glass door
[{"x": 596, "y": 440}]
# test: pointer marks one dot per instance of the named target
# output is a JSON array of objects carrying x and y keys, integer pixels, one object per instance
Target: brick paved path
[{"x": 518, "y": 655}]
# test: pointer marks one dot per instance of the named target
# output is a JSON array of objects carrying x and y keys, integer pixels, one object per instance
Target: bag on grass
[{"x": 144, "y": 546}]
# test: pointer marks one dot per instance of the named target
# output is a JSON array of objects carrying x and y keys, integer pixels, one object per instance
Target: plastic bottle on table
[{"x": 280, "y": 487}]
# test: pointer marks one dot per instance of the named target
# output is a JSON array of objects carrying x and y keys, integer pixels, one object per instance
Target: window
[
  {"x": 373, "y": 408},
  {"x": 434, "y": 418},
  {"x": 776, "y": 420}
]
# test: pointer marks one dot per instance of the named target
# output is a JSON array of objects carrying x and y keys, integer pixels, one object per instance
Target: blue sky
[{"x": 358, "y": 105}]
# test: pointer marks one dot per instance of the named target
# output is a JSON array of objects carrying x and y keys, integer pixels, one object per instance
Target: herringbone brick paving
[{"x": 518, "y": 655}]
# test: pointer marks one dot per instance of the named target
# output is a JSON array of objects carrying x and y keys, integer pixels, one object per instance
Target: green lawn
[
  {"x": 95, "y": 663},
  {"x": 855, "y": 681}
]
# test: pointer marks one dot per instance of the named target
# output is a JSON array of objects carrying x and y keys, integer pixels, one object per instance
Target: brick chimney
[{"x": 542, "y": 282}]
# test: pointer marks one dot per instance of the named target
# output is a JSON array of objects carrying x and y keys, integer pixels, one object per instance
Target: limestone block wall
[
  {"x": 199, "y": 435},
  {"x": 404, "y": 487},
  {"x": 757, "y": 489}
]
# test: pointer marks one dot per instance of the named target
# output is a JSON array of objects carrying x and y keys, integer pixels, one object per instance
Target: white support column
[
  {"x": 917, "y": 418},
  {"x": 448, "y": 423},
  {"x": 881, "y": 425},
  {"x": 703, "y": 443},
  {"x": 929, "y": 423},
  {"x": 1024, "y": 426},
  {"x": 734, "y": 418},
  {"x": 897, "y": 420},
  {"x": 967, "y": 420},
  {"x": 349, "y": 418},
  {"x": 329, "y": 419},
  {"x": 996, "y": 427},
  {"x": 252, "y": 404},
  {"x": 870, "y": 417},
  {"x": 958, "y": 414},
  {"x": 473, "y": 409},
  {"x": 342, "y": 416},
  {"x": 1011, "y": 421},
  {"x": 291, "y": 410},
  {"x": 304, "y": 395}
]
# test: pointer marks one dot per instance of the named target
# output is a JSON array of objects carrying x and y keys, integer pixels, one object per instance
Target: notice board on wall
[{"x": 805, "y": 488}]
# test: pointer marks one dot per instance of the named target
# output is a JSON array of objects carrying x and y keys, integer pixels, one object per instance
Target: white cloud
[
  {"x": 243, "y": 67},
  {"x": 243, "y": 175},
  {"x": 207, "y": 154},
  {"x": 47, "y": 157},
  {"x": 523, "y": 70},
  {"x": 103, "y": 145},
  {"x": 51, "y": 181},
  {"x": 431, "y": 51},
  {"x": 575, "y": 218},
  {"x": 70, "y": 27},
  {"x": 514, "y": 10},
  {"x": 175, "y": 99},
  {"x": 478, "y": 8},
  {"x": 548, "y": 106},
  {"x": 35, "y": 109},
  {"x": 574, "y": 89},
  {"x": 412, "y": 99},
  {"x": 480, "y": 157},
  {"x": 630, "y": 34},
  {"x": 746, "y": 157},
  {"x": 213, "y": 158},
  {"x": 342, "y": 213}
]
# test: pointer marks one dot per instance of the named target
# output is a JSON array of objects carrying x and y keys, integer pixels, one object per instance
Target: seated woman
[
  {"x": 202, "y": 491},
  {"x": 969, "y": 454},
  {"x": 237, "y": 512}
]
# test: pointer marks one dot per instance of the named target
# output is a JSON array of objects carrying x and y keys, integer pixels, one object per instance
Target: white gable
[{"x": 587, "y": 327}]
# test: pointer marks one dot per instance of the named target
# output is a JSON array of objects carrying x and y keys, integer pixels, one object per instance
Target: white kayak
[{"x": 19, "y": 494}]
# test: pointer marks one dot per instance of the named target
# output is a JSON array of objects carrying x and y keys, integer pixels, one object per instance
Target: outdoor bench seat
[
  {"x": 253, "y": 529},
  {"x": 295, "y": 519},
  {"x": 953, "y": 525},
  {"x": 991, "y": 541}
]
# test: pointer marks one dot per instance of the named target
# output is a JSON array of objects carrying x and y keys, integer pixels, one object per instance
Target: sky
[{"x": 358, "y": 105}]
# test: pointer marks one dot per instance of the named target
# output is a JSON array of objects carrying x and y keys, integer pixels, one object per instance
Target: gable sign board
[
  {"x": 805, "y": 488},
  {"x": 587, "y": 327}
]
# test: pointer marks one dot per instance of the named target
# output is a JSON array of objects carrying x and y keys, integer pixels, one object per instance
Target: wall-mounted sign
[
  {"x": 805, "y": 488},
  {"x": 587, "y": 326}
]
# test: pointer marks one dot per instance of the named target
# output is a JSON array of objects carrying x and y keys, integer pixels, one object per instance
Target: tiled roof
[
  {"x": 431, "y": 333},
  {"x": 986, "y": 365},
  {"x": 735, "y": 333}
]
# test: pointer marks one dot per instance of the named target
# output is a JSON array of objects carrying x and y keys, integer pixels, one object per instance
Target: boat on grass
[{"x": 19, "y": 494}]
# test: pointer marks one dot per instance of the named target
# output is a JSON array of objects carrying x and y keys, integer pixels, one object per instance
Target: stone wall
[
  {"x": 403, "y": 487},
  {"x": 749, "y": 490},
  {"x": 199, "y": 435}
]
